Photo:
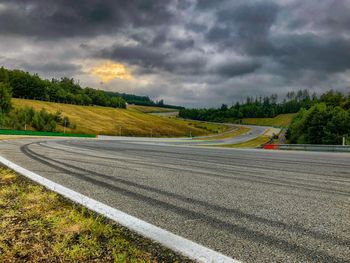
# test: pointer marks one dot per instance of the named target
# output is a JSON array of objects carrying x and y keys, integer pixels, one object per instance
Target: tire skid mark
[{"x": 236, "y": 212}]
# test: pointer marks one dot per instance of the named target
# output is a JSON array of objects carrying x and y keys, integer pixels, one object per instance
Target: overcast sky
[{"x": 188, "y": 52}]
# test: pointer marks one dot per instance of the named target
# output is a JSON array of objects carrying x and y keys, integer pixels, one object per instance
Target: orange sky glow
[{"x": 109, "y": 70}]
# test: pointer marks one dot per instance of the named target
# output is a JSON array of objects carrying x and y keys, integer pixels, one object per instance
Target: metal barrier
[{"x": 308, "y": 147}]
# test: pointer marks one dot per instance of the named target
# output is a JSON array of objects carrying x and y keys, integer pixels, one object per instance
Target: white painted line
[{"x": 179, "y": 244}]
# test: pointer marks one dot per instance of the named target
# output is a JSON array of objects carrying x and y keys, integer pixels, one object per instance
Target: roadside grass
[
  {"x": 240, "y": 130},
  {"x": 111, "y": 121},
  {"x": 254, "y": 143},
  {"x": 282, "y": 120},
  {"x": 38, "y": 225},
  {"x": 212, "y": 128},
  {"x": 150, "y": 109}
]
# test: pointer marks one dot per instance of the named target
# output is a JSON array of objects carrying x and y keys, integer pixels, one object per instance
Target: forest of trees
[
  {"x": 23, "y": 118},
  {"x": 65, "y": 90},
  {"x": 132, "y": 99},
  {"x": 326, "y": 122},
  {"x": 259, "y": 107},
  {"x": 141, "y": 100}
]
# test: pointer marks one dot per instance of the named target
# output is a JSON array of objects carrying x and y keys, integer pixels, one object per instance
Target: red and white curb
[{"x": 179, "y": 244}]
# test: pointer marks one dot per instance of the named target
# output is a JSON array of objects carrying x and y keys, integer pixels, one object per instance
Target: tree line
[
  {"x": 258, "y": 107},
  {"x": 67, "y": 90},
  {"x": 323, "y": 119},
  {"x": 64, "y": 90},
  {"x": 141, "y": 100}
]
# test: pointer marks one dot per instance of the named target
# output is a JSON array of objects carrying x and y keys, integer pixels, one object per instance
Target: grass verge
[
  {"x": 39, "y": 225},
  {"x": 240, "y": 130},
  {"x": 254, "y": 143},
  {"x": 211, "y": 128},
  {"x": 282, "y": 120}
]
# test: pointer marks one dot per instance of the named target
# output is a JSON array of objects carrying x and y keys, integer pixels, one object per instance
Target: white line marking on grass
[{"x": 179, "y": 244}]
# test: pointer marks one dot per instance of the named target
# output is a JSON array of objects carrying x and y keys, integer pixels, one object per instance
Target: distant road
[
  {"x": 254, "y": 132},
  {"x": 252, "y": 205}
]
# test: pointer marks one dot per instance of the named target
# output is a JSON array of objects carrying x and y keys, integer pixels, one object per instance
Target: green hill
[{"x": 128, "y": 122}]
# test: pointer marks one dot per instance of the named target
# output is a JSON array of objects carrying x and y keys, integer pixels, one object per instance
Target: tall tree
[
  {"x": 5, "y": 97},
  {"x": 4, "y": 77}
]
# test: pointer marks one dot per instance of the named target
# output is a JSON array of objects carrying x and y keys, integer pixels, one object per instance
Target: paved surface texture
[
  {"x": 255, "y": 131},
  {"x": 252, "y": 205}
]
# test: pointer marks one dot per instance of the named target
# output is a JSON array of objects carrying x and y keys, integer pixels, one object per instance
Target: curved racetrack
[{"x": 252, "y": 205}]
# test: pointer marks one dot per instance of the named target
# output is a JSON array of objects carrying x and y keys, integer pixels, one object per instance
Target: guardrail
[
  {"x": 308, "y": 147},
  {"x": 38, "y": 133}
]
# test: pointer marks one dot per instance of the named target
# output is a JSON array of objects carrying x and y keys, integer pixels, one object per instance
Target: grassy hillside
[
  {"x": 282, "y": 120},
  {"x": 110, "y": 121},
  {"x": 254, "y": 143},
  {"x": 235, "y": 132},
  {"x": 150, "y": 109}
]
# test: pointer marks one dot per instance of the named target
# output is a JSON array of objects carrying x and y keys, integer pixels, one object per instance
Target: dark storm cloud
[
  {"x": 151, "y": 60},
  {"x": 53, "y": 68},
  {"x": 332, "y": 15},
  {"x": 142, "y": 56},
  {"x": 184, "y": 44},
  {"x": 66, "y": 18},
  {"x": 324, "y": 54},
  {"x": 249, "y": 19},
  {"x": 209, "y": 4},
  {"x": 222, "y": 49},
  {"x": 245, "y": 26},
  {"x": 236, "y": 69}
]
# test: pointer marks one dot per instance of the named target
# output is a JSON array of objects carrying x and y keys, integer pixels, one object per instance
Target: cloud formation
[
  {"x": 108, "y": 70},
  {"x": 194, "y": 53}
]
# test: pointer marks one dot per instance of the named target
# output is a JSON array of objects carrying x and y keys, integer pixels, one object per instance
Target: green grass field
[
  {"x": 127, "y": 122},
  {"x": 282, "y": 120}
]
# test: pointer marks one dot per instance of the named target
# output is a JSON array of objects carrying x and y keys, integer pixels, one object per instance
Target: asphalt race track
[
  {"x": 252, "y": 205},
  {"x": 254, "y": 132}
]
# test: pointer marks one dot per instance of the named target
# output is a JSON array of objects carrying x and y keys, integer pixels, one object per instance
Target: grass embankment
[
  {"x": 212, "y": 128},
  {"x": 238, "y": 131},
  {"x": 258, "y": 141},
  {"x": 111, "y": 121},
  {"x": 38, "y": 225},
  {"x": 254, "y": 143},
  {"x": 282, "y": 120},
  {"x": 150, "y": 109}
]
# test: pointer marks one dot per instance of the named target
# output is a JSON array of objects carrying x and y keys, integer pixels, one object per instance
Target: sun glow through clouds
[{"x": 109, "y": 70}]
